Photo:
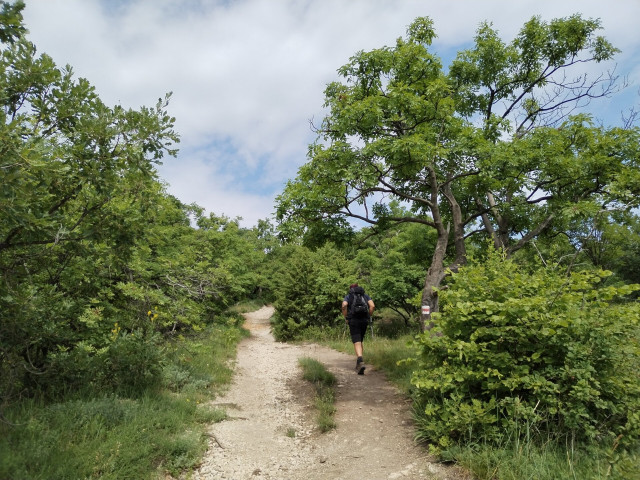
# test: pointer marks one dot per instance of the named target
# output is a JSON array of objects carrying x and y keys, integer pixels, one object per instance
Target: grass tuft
[{"x": 324, "y": 383}]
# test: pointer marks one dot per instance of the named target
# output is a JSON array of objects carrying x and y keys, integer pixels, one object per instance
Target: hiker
[{"x": 357, "y": 308}]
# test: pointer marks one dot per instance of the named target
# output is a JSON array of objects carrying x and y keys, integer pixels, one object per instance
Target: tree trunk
[
  {"x": 501, "y": 237},
  {"x": 435, "y": 274},
  {"x": 458, "y": 227}
]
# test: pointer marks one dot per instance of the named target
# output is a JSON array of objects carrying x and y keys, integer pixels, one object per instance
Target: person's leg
[
  {"x": 357, "y": 336},
  {"x": 359, "y": 347}
]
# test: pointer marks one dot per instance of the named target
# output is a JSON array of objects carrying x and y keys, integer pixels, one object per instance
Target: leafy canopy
[{"x": 484, "y": 149}]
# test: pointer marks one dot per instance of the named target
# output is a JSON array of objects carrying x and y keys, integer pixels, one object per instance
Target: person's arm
[
  {"x": 344, "y": 309},
  {"x": 372, "y": 307}
]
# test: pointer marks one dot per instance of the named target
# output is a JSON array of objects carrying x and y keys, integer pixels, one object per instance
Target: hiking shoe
[{"x": 360, "y": 366}]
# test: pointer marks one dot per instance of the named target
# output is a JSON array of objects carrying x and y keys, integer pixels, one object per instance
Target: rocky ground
[{"x": 271, "y": 431}]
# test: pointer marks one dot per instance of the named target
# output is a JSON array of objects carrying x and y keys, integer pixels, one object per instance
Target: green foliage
[
  {"x": 11, "y": 26},
  {"x": 130, "y": 365},
  {"x": 78, "y": 179},
  {"x": 612, "y": 243},
  {"x": 485, "y": 148},
  {"x": 309, "y": 289},
  {"x": 552, "y": 351},
  {"x": 97, "y": 260},
  {"x": 160, "y": 433},
  {"x": 494, "y": 72}
]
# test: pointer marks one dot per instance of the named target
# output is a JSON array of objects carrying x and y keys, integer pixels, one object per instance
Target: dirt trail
[{"x": 271, "y": 434}]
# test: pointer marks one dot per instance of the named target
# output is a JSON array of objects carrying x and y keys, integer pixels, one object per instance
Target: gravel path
[{"x": 271, "y": 432}]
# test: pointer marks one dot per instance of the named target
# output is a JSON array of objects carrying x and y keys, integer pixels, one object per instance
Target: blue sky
[{"x": 247, "y": 76}]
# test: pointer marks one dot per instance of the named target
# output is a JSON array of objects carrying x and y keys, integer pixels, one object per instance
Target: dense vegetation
[
  {"x": 516, "y": 222},
  {"x": 98, "y": 262},
  {"x": 525, "y": 210},
  {"x": 484, "y": 148},
  {"x": 114, "y": 295},
  {"x": 556, "y": 352}
]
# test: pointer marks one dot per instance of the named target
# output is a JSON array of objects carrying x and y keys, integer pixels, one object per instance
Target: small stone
[{"x": 323, "y": 459}]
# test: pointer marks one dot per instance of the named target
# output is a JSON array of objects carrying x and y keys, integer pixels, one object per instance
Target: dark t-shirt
[{"x": 347, "y": 299}]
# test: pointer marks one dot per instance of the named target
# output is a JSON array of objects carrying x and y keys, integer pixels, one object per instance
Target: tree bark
[
  {"x": 458, "y": 227},
  {"x": 435, "y": 274}
]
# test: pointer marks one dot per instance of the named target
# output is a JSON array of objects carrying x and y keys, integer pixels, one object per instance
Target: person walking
[{"x": 357, "y": 308}]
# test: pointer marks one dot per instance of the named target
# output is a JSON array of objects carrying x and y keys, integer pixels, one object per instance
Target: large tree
[
  {"x": 486, "y": 146},
  {"x": 78, "y": 191}
]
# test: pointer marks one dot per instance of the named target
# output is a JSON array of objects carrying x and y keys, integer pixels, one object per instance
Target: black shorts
[{"x": 358, "y": 328}]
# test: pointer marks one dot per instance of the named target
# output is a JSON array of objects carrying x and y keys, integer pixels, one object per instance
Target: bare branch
[{"x": 531, "y": 234}]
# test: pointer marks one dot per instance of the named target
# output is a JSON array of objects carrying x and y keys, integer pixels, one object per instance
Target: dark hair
[{"x": 353, "y": 285}]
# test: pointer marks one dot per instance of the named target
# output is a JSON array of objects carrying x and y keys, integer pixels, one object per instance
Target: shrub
[
  {"x": 129, "y": 364},
  {"x": 540, "y": 350},
  {"x": 309, "y": 290}
]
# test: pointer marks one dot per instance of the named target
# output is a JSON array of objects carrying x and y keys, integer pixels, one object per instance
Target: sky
[{"x": 248, "y": 76}]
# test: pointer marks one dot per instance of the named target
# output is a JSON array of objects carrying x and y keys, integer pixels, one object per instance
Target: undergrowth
[
  {"x": 147, "y": 435},
  {"x": 522, "y": 454}
]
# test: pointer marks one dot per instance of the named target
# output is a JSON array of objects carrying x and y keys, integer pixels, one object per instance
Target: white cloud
[
  {"x": 202, "y": 182},
  {"x": 250, "y": 74}
]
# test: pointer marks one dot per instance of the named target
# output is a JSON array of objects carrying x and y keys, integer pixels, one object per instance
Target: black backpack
[{"x": 359, "y": 308}]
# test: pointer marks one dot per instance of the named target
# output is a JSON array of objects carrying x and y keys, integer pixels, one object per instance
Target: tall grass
[
  {"x": 538, "y": 459},
  {"x": 107, "y": 438},
  {"x": 114, "y": 437}
]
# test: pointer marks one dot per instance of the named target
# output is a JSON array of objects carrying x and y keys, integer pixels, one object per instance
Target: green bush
[
  {"x": 129, "y": 364},
  {"x": 134, "y": 363},
  {"x": 542, "y": 351},
  {"x": 309, "y": 290}
]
